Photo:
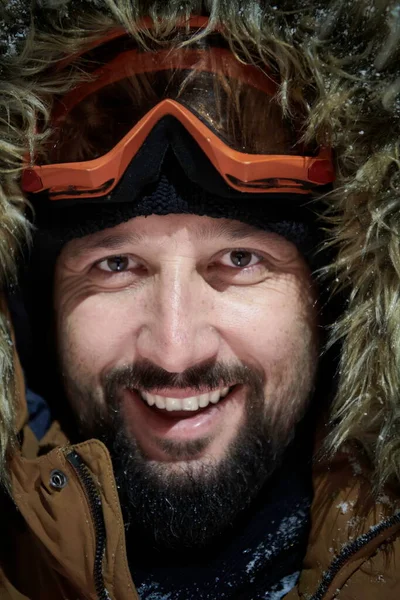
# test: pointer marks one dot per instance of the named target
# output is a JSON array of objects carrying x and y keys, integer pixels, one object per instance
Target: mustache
[{"x": 146, "y": 376}]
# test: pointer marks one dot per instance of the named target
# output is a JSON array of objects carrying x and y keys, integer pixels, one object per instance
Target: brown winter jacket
[{"x": 64, "y": 540}]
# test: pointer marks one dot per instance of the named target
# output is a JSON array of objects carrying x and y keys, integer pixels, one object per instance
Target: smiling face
[{"x": 189, "y": 345}]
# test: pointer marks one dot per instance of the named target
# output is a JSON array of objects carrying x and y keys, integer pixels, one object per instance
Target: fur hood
[{"x": 341, "y": 60}]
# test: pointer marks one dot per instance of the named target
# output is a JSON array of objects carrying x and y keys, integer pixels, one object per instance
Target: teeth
[
  {"x": 160, "y": 401},
  {"x": 205, "y": 399},
  {"x": 149, "y": 399},
  {"x": 172, "y": 404},
  {"x": 190, "y": 404}
]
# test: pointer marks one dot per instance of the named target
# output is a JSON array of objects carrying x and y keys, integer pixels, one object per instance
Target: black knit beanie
[{"x": 58, "y": 222}]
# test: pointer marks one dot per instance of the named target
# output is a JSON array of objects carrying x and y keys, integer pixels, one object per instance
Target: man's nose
[{"x": 178, "y": 329}]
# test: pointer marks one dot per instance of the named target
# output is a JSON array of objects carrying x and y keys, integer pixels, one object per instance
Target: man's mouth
[
  {"x": 183, "y": 415},
  {"x": 188, "y": 403}
]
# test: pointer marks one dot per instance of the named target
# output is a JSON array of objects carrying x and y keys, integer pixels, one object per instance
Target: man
[{"x": 179, "y": 328}]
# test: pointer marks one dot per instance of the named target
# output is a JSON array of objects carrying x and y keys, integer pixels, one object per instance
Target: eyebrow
[
  {"x": 111, "y": 241},
  {"x": 234, "y": 230},
  {"x": 221, "y": 228},
  {"x": 230, "y": 229}
]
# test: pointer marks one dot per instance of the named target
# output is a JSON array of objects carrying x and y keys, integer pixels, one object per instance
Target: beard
[{"x": 191, "y": 504}]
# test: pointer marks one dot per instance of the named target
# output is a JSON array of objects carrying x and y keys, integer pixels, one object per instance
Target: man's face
[{"x": 191, "y": 339}]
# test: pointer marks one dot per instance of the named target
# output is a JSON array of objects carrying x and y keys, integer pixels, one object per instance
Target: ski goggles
[{"x": 227, "y": 107}]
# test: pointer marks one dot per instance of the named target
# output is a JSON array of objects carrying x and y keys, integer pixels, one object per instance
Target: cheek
[
  {"x": 97, "y": 333},
  {"x": 272, "y": 324}
]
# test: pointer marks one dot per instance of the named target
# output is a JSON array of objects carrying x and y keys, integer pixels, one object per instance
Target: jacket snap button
[{"x": 58, "y": 479}]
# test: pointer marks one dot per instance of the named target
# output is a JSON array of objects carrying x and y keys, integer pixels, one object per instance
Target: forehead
[{"x": 169, "y": 229}]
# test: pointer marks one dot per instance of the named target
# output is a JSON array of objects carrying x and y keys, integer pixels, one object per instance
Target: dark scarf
[{"x": 259, "y": 557}]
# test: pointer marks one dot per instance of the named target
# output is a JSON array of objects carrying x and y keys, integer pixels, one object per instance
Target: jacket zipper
[
  {"x": 94, "y": 500},
  {"x": 350, "y": 550}
]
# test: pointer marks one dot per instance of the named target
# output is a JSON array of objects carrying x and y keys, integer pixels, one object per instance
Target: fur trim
[
  {"x": 340, "y": 60},
  {"x": 14, "y": 228}
]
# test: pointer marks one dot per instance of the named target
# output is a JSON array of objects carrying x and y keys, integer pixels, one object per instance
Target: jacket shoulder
[
  {"x": 25, "y": 573},
  {"x": 354, "y": 543}
]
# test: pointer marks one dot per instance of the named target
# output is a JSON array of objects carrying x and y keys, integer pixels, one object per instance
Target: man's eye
[
  {"x": 241, "y": 259},
  {"x": 116, "y": 264}
]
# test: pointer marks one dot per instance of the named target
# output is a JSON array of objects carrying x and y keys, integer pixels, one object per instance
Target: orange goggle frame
[{"x": 244, "y": 172}]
